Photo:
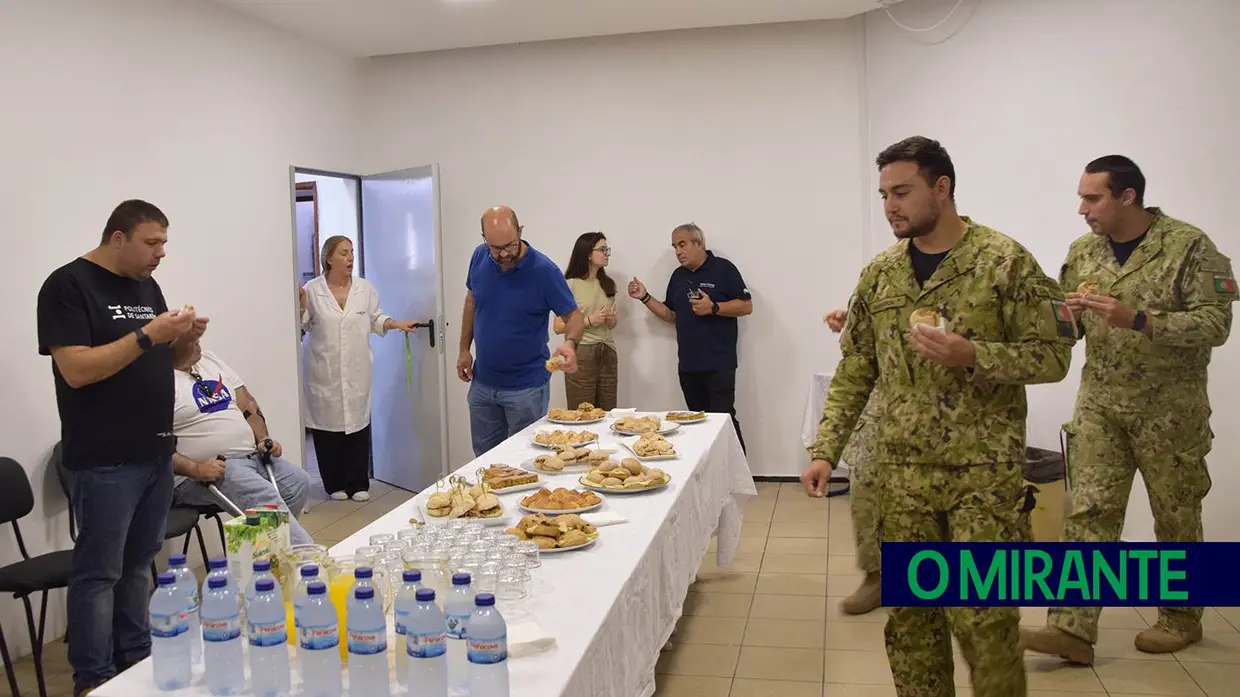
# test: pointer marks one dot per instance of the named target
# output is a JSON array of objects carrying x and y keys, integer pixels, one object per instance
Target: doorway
[{"x": 392, "y": 220}]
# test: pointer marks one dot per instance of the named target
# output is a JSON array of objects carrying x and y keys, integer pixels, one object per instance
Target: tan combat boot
[
  {"x": 1057, "y": 642},
  {"x": 1159, "y": 639},
  {"x": 867, "y": 597}
]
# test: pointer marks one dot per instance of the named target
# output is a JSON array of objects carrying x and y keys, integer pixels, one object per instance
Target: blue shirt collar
[{"x": 524, "y": 261}]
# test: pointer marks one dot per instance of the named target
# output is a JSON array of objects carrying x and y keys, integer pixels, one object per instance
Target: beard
[{"x": 921, "y": 226}]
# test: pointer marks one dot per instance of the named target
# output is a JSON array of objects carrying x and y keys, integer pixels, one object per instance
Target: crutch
[
  {"x": 219, "y": 495},
  {"x": 264, "y": 456}
]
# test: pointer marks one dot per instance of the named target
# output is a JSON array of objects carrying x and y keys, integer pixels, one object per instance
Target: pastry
[
  {"x": 560, "y": 500},
  {"x": 685, "y": 415},
  {"x": 653, "y": 445},
  {"x": 924, "y": 315},
  {"x": 544, "y": 542},
  {"x": 553, "y": 364},
  {"x": 438, "y": 504},
  {"x": 1087, "y": 288},
  {"x": 548, "y": 463},
  {"x": 564, "y": 531},
  {"x": 561, "y": 439},
  {"x": 500, "y": 477},
  {"x": 638, "y": 424}
]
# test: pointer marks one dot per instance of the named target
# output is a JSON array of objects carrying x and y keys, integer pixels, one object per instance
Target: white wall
[
  {"x": 337, "y": 210},
  {"x": 1025, "y": 93},
  {"x": 199, "y": 110},
  {"x": 751, "y": 132}
]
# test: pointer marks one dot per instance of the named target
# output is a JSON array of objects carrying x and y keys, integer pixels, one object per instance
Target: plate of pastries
[
  {"x": 505, "y": 479},
  {"x": 567, "y": 459},
  {"x": 685, "y": 417},
  {"x": 585, "y": 413},
  {"x": 464, "y": 500},
  {"x": 651, "y": 447},
  {"x": 638, "y": 425},
  {"x": 629, "y": 476},
  {"x": 561, "y": 501},
  {"x": 561, "y": 533},
  {"x": 558, "y": 439}
]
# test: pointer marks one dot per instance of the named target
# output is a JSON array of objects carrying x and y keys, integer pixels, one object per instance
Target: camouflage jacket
[
  {"x": 993, "y": 292},
  {"x": 1184, "y": 285}
]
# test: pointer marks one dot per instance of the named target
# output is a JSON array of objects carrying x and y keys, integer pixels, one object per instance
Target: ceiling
[{"x": 382, "y": 27}]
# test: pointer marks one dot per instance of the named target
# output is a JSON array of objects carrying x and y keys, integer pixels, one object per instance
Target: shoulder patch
[{"x": 1065, "y": 323}]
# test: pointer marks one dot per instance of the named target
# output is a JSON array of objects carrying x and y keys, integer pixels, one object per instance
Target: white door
[{"x": 401, "y": 245}]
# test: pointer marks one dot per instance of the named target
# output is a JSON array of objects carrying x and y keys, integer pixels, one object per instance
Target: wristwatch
[
  {"x": 714, "y": 308},
  {"x": 144, "y": 341},
  {"x": 1138, "y": 321}
]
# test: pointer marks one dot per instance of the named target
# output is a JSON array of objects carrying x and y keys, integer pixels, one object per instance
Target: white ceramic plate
[
  {"x": 587, "y": 509},
  {"x": 536, "y": 444},
  {"x": 575, "y": 423},
  {"x": 665, "y": 428},
  {"x": 630, "y": 443},
  {"x": 504, "y": 520},
  {"x": 559, "y": 550},
  {"x": 604, "y": 490},
  {"x": 690, "y": 421}
]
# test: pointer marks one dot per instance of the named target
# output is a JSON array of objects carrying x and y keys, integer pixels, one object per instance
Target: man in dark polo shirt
[
  {"x": 704, "y": 298},
  {"x": 104, "y": 322},
  {"x": 512, "y": 289}
]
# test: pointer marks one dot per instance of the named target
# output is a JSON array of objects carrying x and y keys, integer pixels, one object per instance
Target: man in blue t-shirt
[
  {"x": 704, "y": 298},
  {"x": 512, "y": 288}
]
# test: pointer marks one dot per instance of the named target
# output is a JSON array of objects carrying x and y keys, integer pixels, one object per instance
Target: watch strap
[{"x": 144, "y": 341}]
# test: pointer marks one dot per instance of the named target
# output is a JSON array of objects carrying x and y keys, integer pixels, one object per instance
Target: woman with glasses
[
  {"x": 595, "y": 292},
  {"x": 338, "y": 314}
]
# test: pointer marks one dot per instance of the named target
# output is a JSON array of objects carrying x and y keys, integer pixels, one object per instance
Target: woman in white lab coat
[{"x": 338, "y": 313}]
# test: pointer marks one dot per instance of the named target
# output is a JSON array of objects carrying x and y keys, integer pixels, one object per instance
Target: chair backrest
[
  {"x": 62, "y": 476},
  {"x": 18, "y": 499}
]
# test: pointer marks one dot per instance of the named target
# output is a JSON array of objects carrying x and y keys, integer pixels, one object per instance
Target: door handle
[{"x": 428, "y": 324}]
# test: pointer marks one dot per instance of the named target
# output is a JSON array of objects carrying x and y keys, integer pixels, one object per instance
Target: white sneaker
[
  {"x": 339, "y": 496},
  {"x": 361, "y": 496}
]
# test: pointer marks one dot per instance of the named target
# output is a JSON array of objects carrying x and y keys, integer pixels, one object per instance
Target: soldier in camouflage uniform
[
  {"x": 1153, "y": 296},
  {"x": 950, "y": 447},
  {"x": 864, "y": 499}
]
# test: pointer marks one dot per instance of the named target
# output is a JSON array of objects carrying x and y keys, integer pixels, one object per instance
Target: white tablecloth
[
  {"x": 819, "y": 385},
  {"x": 611, "y": 607}
]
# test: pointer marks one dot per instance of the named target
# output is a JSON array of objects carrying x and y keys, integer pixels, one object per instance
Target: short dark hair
[
  {"x": 129, "y": 215},
  {"x": 930, "y": 157},
  {"x": 1122, "y": 174}
]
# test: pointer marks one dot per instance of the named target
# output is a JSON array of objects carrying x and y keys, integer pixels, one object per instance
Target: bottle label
[
  {"x": 402, "y": 621},
  {"x": 456, "y": 625},
  {"x": 426, "y": 645},
  {"x": 268, "y": 633},
  {"x": 365, "y": 643},
  {"x": 319, "y": 638},
  {"x": 168, "y": 626},
  {"x": 221, "y": 629},
  {"x": 488, "y": 651}
]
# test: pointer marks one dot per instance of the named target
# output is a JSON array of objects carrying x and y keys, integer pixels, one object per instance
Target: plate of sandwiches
[
  {"x": 462, "y": 500},
  {"x": 650, "y": 447},
  {"x": 628, "y": 476},
  {"x": 566, "y": 532},
  {"x": 638, "y": 425},
  {"x": 685, "y": 417},
  {"x": 503, "y": 479},
  {"x": 585, "y": 413},
  {"x": 559, "y": 439},
  {"x": 566, "y": 460},
  {"x": 561, "y": 501}
]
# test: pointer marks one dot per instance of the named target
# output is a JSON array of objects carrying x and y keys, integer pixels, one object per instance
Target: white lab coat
[{"x": 336, "y": 355}]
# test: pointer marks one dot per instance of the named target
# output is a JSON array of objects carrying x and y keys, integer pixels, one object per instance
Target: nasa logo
[{"x": 212, "y": 396}]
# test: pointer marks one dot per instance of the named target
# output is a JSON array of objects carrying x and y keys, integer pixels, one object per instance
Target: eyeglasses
[
  {"x": 604, "y": 250},
  {"x": 509, "y": 249}
]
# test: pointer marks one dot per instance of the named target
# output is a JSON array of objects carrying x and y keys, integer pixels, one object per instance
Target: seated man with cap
[{"x": 221, "y": 438}]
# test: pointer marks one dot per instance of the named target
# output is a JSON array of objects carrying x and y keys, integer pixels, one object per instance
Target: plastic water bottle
[
  {"x": 363, "y": 577},
  {"x": 426, "y": 646},
  {"x": 318, "y": 642},
  {"x": 269, "y": 671},
  {"x": 218, "y": 568},
  {"x": 262, "y": 570},
  {"x": 221, "y": 638},
  {"x": 368, "y": 666},
  {"x": 188, "y": 585},
  {"x": 488, "y": 649},
  {"x": 309, "y": 574},
  {"x": 169, "y": 635},
  {"x": 406, "y": 601},
  {"x": 457, "y": 608}
]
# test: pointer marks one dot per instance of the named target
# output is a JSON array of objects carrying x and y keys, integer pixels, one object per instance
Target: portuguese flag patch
[
  {"x": 1224, "y": 285},
  {"x": 1062, "y": 313}
]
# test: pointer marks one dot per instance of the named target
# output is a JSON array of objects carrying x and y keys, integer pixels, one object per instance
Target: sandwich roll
[
  {"x": 1087, "y": 288},
  {"x": 925, "y": 315}
]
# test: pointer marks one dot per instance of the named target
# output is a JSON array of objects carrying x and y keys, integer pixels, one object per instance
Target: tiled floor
[{"x": 771, "y": 625}]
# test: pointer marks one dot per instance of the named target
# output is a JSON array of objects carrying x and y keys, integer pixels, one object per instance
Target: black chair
[{"x": 31, "y": 575}]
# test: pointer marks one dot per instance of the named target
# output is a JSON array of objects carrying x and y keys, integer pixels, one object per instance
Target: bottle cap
[
  {"x": 364, "y": 593},
  {"x": 264, "y": 584},
  {"x": 166, "y": 579},
  {"x": 316, "y": 588},
  {"x": 425, "y": 595},
  {"x": 176, "y": 560},
  {"x": 363, "y": 572},
  {"x": 310, "y": 571},
  {"x": 412, "y": 576},
  {"x": 262, "y": 565},
  {"x": 217, "y": 564},
  {"x": 460, "y": 579},
  {"x": 484, "y": 600},
  {"x": 217, "y": 582}
]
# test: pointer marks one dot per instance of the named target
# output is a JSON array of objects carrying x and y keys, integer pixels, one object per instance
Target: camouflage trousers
[
  {"x": 1106, "y": 448},
  {"x": 925, "y": 503},
  {"x": 864, "y": 498}
]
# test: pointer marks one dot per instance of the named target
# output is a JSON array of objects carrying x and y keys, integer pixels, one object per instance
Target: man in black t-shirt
[
  {"x": 704, "y": 298},
  {"x": 104, "y": 322}
]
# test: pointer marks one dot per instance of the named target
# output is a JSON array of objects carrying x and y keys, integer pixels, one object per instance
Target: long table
[{"x": 610, "y": 607}]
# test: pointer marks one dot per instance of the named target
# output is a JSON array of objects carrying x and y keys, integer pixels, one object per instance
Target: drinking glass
[
  {"x": 481, "y": 546},
  {"x": 495, "y": 554},
  {"x": 381, "y": 538},
  {"x": 488, "y": 576},
  {"x": 529, "y": 550},
  {"x": 508, "y": 543},
  {"x": 510, "y": 585},
  {"x": 457, "y": 524},
  {"x": 395, "y": 546},
  {"x": 368, "y": 554},
  {"x": 409, "y": 533}
]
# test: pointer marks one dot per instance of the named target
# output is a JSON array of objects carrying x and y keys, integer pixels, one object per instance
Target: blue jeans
[
  {"x": 245, "y": 483},
  {"x": 495, "y": 414},
  {"x": 121, "y": 513}
]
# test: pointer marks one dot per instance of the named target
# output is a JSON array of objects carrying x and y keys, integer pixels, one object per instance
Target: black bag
[{"x": 1043, "y": 466}]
